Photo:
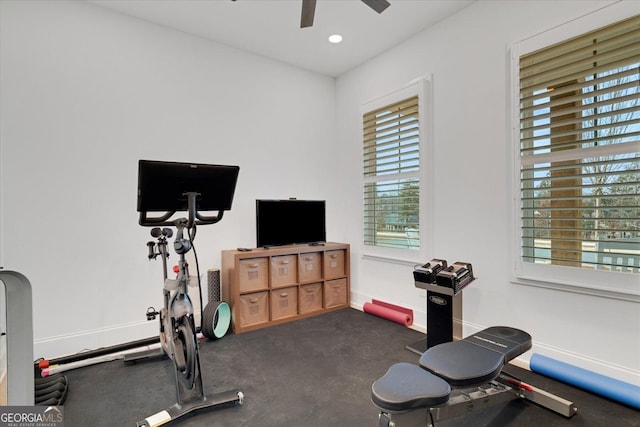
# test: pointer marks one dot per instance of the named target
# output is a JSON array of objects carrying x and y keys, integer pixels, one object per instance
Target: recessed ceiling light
[{"x": 335, "y": 38}]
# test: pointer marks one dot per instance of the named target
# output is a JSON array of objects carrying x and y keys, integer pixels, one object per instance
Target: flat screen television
[{"x": 290, "y": 222}]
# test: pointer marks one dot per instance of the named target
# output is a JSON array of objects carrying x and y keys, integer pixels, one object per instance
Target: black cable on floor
[{"x": 195, "y": 255}]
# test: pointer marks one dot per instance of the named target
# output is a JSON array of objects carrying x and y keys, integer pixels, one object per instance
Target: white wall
[
  {"x": 86, "y": 93},
  {"x": 467, "y": 57}
]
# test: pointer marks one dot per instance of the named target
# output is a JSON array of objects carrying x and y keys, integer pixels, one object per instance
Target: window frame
[
  {"x": 421, "y": 87},
  {"x": 609, "y": 284}
]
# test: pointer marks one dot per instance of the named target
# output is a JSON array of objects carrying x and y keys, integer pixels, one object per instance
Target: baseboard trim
[{"x": 66, "y": 345}]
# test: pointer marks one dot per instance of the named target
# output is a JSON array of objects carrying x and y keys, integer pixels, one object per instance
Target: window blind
[
  {"x": 391, "y": 138},
  {"x": 580, "y": 151}
]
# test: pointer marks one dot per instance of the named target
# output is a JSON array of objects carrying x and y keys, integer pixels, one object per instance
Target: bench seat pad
[
  {"x": 406, "y": 386},
  {"x": 478, "y": 358}
]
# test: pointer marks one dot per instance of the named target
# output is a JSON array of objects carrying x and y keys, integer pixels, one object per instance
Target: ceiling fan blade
[
  {"x": 377, "y": 5},
  {"x": 308, "y": 12}
]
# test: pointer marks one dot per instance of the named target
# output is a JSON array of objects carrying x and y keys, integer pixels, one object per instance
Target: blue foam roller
[{"x": 602, "y": 385}]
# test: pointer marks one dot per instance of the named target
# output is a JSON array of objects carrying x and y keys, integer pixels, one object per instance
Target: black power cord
[{"x": 195, "y": 255}]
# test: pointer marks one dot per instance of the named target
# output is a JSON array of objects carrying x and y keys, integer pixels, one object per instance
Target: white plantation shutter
[
  {"x": 391, "y": 136},
  {"x": 580, "y": 151}
]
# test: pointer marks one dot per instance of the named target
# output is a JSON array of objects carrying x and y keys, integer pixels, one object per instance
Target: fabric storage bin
[
  {"x": 284, "y": 270},
  {"x": 310, "y": 267},
  {"x": 310, "y": 298},
  {"x": 284, "y": 302},
  {"x": 334, "y": 264},
  {"x": 335, "y": 293},
  {"x": 254, "y": 308},
  {"x": 254, "y": 274}
]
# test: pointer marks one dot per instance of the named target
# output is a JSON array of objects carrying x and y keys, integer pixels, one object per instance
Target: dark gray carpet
[{"x": 312, "y": 372}]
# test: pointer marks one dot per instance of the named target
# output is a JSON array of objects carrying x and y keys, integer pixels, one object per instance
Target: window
[
  {"x": 392, "y": 170},
  {"x": 579, "y": 158}
]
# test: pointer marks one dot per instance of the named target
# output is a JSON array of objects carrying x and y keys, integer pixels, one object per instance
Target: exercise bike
[{"x": 177, "y": 326}]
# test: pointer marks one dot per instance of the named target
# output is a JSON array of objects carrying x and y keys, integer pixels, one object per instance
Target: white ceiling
[{"x": 272, "y": 27}]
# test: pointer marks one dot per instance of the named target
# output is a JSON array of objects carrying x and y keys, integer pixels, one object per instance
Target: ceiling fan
[{"x": 309, "y": 10}]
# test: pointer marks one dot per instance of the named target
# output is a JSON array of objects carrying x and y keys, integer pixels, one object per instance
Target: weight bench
[{"x": 457, "y": 378}]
